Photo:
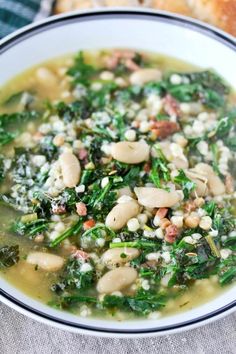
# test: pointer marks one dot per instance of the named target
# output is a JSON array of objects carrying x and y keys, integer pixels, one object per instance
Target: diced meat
[
  {"x": 58, "y": 209},
  {"x": 81, "y": 209},
  {"x": 147, "y": 167},
  {"x": 111, "y": 62},
  {"x": 83, "y": 153},
  {"x": 161, "y": 212},
  {"x": 126, "y": 54},
  {"x": 171, "y": 106},
  {"x": 162, "y": 129},
  {"x": 131, "y": 65},
  {"x": 79, "y": 254},
  {"x": 171, "y": 233},
  {"x": 89, "y": 224}
]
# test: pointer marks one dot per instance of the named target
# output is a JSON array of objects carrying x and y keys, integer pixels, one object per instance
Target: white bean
[
  {"x": 200, "y": 180},
  {"x": 215, "y": 184},
  {"x": 141, "y": 76},
  {"x": 124, "y": 191},
  {"x": 121, "y": 213},
  {"x": 156, "y": 197},
  {"x": 130, "y": 152},
  {"x": 179, "y": 161},
  {"x": 45, "y": 261},
  {"x": 119, "y": 256},
  {"x": 46, "y": 77},
  {"x": 116, "y": 279},
  {"x": 70, "y": 168}
]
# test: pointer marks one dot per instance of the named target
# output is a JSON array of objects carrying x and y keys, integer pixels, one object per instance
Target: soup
[{"x": 117, "y": 184}]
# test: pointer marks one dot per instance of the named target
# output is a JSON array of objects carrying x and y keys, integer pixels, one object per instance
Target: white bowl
[{"x": 164, "y": 33}]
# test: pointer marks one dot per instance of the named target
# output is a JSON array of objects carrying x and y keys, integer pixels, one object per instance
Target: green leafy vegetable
[
  {"x": 187, "y": 185},
  {"x": 159, "y": 170},
  {"x": 9, "y": 256},
  {"x": 73, "y": 277},
  {"x": 30, "y": 229},
  {"x": 73, "y": 230},
  {"x": 81, "y": 71}
]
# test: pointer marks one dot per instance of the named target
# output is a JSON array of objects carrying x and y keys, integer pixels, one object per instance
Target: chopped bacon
[
  {"x": 147, "y": 167},
  {"x": 79, "y": 254},
  {"x": 58, "y": 209},
  {"x": 125, "y": 57},
  {"x": 126, "y": 54},
  {"x": 89, "y": 224},
  {"x": 161, "y": 212},
  {"x": 131, "y": 65},
  {"x": 83, "y": 153},
  {"x": 111, "y": 62},
  {"x": 171, "y": 106},
  {"x": 81, "y": 209},
  {"x": 171, "y": 233},
  {"x": 163, "y": 128}
]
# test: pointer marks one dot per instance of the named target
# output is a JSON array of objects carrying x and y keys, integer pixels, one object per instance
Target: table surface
[{"x": 21, "y": 335}]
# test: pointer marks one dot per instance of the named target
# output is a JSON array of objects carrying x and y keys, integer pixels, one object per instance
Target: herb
[
  {"x": 205, "y": 86},
  {"x": 119, "y": 124},
  {"x": 30, "y": 229},
  {"x": 81, "y": 71},
  {"x": 21, "y": 99},
  {"x": 142, "y": 303},
  {"x": 230, "y": 243},
  {"x": 227, "y": 270},
  {"x": 213, "y": 246},
  {"x": 142, "y": 244},
  {"x": 10, "y": 122},
  {"x": 73, "y": 277},
  {"x": 215, "y": 154},
  {"x": 231, "y": 143},
  {"x": 69, "y": 300},
  {"x": 101, "y": 231},
  {"x": 9, "y": 256},
  {"x": 159, "y": 170},
  {"x": 73, "y": 230},
  {"x": 187, "y": 184},
  {"x": 224, "y": 125},
  {"x": 73, "y": 111}
]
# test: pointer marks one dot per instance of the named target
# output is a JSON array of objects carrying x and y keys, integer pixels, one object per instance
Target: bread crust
[
  {"x": 177, "y": 6},
  {"x": 221, "y": 13}
]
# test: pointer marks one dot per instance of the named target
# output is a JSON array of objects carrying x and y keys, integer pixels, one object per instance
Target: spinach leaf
[
  {"x": 206, "y": 86},
  {"x": 73, "y": 277},
  {"x": 142, "y": 303},
  {"x": 81, "y": 71},
  {"x": 30, "y": 229},
  {"x": 231, "y": 143},
  {"x": 73, "y": 230},
  {"x": 159, "y": 170},
  {"x": 224, "y": 125},
  {"x": 9, "y": 256},
  {"x": 10, "y": 122},
  {"x": 227, "y": 270},
  {"x": 141, "y": 244}
]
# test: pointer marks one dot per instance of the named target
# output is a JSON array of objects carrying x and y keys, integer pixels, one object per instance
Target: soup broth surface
[{"x": 117, "y": 184}]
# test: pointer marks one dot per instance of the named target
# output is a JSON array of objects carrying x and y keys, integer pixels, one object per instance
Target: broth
[{"x": 175, "y": 255}]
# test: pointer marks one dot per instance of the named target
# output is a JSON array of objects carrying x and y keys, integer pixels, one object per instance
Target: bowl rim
[{"x": 81, "y": 16}]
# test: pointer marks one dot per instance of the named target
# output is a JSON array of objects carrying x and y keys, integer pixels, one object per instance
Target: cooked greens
[{"x": 117, "y": 185}]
